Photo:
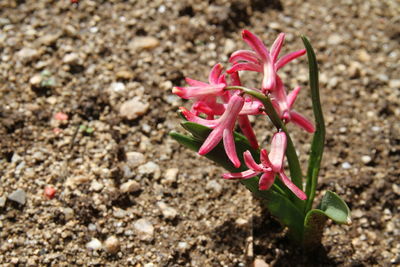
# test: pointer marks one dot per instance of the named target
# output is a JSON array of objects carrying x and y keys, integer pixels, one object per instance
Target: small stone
[
  {"x": 117, "y": 87},
  {"x": 275, "y": 26},
  {"x": 354, "y": 69},
  {"x": 334, "y": 39},
  {"x": 145, "y": 42},
  {"x": 71, "y": 58},
  {"x": 183, "y": 247},
  {"x": 150, "y": 168},
  {"x": 144, "y": 229},
  {"x": 394, "y": 84},
  {"x": 357, "y": 213},
  {"x": 27, "y": 54},
  {"x": 214, "y": 186},
  {"x": 130, "y": 186},
  {"x": 260, "y": 263},
  {"x": 396, "y": 189},
  {"x": 18, "y": 196},
  {"x": 48, "y": 39},
  {"x": 241, "y": 222},
  {"x": 124, "y": 74},
  {"x": 77, "y": 180},
  {"x": 119, "y": 213},
  {"x": 36, "y": 80},
  {"x": 133, "y": 108},
  {"x": 94, "y": 244},
  {"x": 346, "y": 165},
  {"x": 112, "y": 245},
  {"x": 49, "y": 192},
  {"x": 92, "y": 227},
  {"x": 170, "y": 176},
  {"x": 167, "y": 212},
  {"x": 150, "y": 264},
  {"x": 2, "y": 201},
  {"x": 364, "y": 56},
  {"x": 134, "y": 159},
  {"x": 96, "y": 186},
  {"x": 68, "y": 213},
  {"x": 366, "y": 159},
  {"x": 229, "y": 47}
]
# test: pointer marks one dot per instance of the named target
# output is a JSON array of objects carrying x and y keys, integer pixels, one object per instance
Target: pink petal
[
  {"x": 192, "y": 82},
  {"x": 244, "y": 66},
  {"x": 302, "y": 121},
  {"x": 250, "y": 162},
  {"x": 230, "y": 148},
  {"x": 245, "y": 126},
  {"x": 269, "y": 79},
  {"x": 289, "y": 57},
  {"x": 264, "y": 158},
  {"x": 276, "y": 46},
  {"x": 240, "y": 175},
  {"x": 300, "y": 194},
  {"x": 209, "y": 108},
  {"x": 255, "y": 43},
  {"x": 266, "y": 180},
  {"x": 193, "y": 118},
  {"x": 215, "y": 73},
  {"x": 235, "y": 79},
  {"x": 278, "y": 149},
  {"x": 212, "y": 141},
  {"x": 198, "y": 91},
  {"x": 292, "y": 96},
  {"x": 244, "y": 55}
]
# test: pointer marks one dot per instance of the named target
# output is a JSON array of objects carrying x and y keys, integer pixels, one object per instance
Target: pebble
[
  {"x": 260, "y": 263},
  {"x": 119, "y": 213},
  {"x": 183, "y": 246},
  {"x": 130, "y": 186},
  {"x": 144, "y": 229},
  {"x": 77, "y": 180},
  {"x": 167, "y": 211},
  {"x": 150, "y": 168},
  {"x": 112, "y": 245},
  {"x": 364, "y": 56},
  {"x": 48, "y": 39},
  {"x": 334, "y": 39},
  {"x": 396, "y": 189},
  {"x": 170, "y": 176},
  {"x": 27, "y": 54},
  {"x": 366, "y": 159},
  {"x": 214, "y": 186},
  {"x": 145, "y": 42},
  {"x": 18, "y": 196},
  {"x": 92, "y": 227},
  {"x": 346, "y": 165},
  {"x": 68, "y": 213},
  {"x": 96, "y": 186},
  {"x": 2, "y": 202},
  {"x": 394, "y": 84},
  {"x": 71, "y": 58},
  {"x": 35, "y": 80},
  {"x": 133, "y": 108},
  {"x": 124, "y": 74},
  {"x": 94, "y": 244},
  {"x": 117, "y": 87},
  {"x": 134, "y": 159}
]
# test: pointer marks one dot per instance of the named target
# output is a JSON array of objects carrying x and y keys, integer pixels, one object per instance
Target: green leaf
[
  {"x": 317, "y": 146},
  {"x": 331, "y": 207}
]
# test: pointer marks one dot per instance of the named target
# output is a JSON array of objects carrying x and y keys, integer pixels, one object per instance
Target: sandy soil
[{"x": 128, "y": 195}]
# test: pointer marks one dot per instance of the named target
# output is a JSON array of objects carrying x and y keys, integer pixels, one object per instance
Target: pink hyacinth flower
[
  {"x": 222, "y": 128},
  {"x": 283, "y": 104},
  {"x": 199, "y": 90},
  {"x": 270, "y": 165},
  {"x": 261, "y": 59}
]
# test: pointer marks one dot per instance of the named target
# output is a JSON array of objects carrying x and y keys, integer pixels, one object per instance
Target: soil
[{"x": 126, "y": 193}]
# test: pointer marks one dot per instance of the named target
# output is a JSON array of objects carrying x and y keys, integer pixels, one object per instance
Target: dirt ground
[{"x": 126, "y": 193}]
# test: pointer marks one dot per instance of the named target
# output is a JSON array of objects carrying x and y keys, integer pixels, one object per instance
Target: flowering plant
[{"x": 222, "y": 102}]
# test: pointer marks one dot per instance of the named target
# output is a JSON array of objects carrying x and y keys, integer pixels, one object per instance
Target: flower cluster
[{"x": 217, "y": 105}]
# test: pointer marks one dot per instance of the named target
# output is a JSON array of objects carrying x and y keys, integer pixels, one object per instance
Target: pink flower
[
  {"x": 270, "y": 165},
  {"x": 262, "y": 60},
  {"x": 283, "y": 105},
  {"x": 222, "y": 128}
]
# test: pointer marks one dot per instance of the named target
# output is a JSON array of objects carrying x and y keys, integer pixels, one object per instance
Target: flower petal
[
  {"x": 244, "y": 55},
  {"x": 250, "y": 162},
  {"x": 255, "y": 43},
  {"x": 278, "y": 149},
  {"x": 230, "y": 148},
  {"x": 245, "y": 66},
  {"x": 240, "y": 175},
  {"x": 266, "y": 180},
  {"x": 247, "y": 130},
  {"x": 292, "y": 96},
  {"x": 300, "y": 194},
  {"x": 193, "y": 118},
  {"x": 198, "y": 91},
  {"x": 302, "y": 121},
  {"x": 269, "y": 78},
  {"x": 212, "y": 141},
  {"x": 264, "y": 158},
  {"x": 215, "y": 73},
  {"x": 276, "y": 46},
  {"x": 192, "y": 82},
  {"x": 289, "y": 57}
]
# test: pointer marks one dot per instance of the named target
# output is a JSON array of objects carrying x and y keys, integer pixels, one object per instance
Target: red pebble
[{"x": 49, "y": 192}]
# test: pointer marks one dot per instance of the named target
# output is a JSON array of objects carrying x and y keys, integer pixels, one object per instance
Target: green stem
[
  {"x": 293, "y": 160},
  {"x": 317, "y": 147}
]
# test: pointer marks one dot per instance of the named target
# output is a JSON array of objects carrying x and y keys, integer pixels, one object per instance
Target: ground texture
[{"x": 128, "y": 195}]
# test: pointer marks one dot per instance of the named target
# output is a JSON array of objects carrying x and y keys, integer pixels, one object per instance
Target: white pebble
[
  {"x": 168, "y": 212},
  {"x": 94, "y": 244},
  {"x": 134, "y": 159},
  {"x": 366, "y": 159},
  {"x": 133, "y": 108},
  {"x": 150, "y": 168},
  {"x": 130, "y": 186},
  {"x": 117, "y": 87},
  {"x": 346, "y": 165},
  {"x": 144, "y": 229}
]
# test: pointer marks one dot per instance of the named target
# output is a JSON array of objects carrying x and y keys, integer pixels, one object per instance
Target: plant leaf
[
  {"x": 335, "y": 208},
  {"x": 318, "y": 141}
]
